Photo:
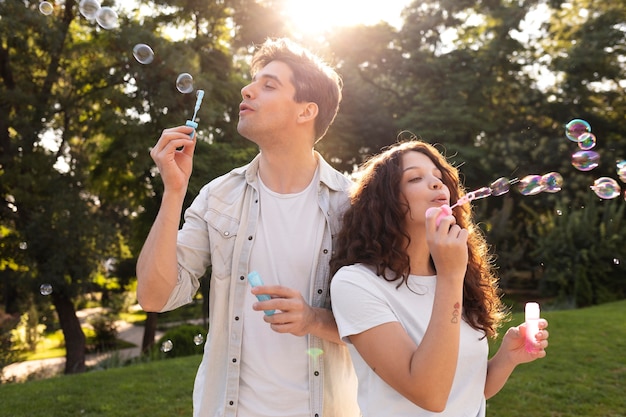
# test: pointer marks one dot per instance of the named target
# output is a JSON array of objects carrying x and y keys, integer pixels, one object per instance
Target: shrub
[
  {"x": 183, "y": 341},
  {"x": 583, "y": 254}
]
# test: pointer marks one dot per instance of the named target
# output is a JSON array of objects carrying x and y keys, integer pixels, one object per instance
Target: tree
[{"x": 79, "y": 115}]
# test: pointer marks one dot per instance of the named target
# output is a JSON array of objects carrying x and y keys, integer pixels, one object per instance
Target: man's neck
[{"x": 288, "y": 171}]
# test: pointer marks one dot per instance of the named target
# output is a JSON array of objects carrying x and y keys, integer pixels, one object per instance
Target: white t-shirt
[
  {"x": 274, "y": 379},
  {"x": 362, "y": 300}
]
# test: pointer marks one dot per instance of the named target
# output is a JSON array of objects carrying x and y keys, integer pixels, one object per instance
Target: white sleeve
[{"x": 357, "y": 302}]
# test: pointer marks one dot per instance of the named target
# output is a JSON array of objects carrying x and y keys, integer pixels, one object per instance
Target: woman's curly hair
[{"x": 374, "y": 232}]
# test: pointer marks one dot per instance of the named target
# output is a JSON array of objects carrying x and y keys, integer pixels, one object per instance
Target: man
[{"x": 277, "y": 216}]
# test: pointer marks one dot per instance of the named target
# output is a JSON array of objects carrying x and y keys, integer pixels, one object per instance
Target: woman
[{"x": 416, "y": 301}]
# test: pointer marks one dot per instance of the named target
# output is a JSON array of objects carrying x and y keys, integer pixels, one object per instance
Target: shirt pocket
[{"x": 222, "y": 230}]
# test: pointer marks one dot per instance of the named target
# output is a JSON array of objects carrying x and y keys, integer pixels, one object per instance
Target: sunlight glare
[{"x": 323, "y": 15}]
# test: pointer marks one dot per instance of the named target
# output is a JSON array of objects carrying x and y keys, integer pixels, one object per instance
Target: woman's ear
[{"x": 308, "y": 113}]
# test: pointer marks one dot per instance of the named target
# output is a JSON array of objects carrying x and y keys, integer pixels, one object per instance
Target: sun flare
[{"x": 316, "y": 17}]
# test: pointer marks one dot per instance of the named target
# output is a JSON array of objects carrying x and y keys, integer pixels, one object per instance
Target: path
[{"x": 128, "y": 332}]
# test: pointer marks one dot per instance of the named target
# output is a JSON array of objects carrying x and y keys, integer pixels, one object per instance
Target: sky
[{"x": 314, "y": 17}]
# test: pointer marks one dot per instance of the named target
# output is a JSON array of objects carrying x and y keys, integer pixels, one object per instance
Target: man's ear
[{"x": 308, "y": 112}]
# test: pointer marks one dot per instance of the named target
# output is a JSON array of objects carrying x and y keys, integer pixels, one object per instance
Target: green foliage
[
  {"x": 582, "y": 252},
  {"x": 105, "y": 332},
  {"x": 7, "y": 352}
]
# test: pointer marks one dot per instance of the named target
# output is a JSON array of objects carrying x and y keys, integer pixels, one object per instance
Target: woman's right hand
[
  {"x": 447, "y": 243},
  {"x": 173, "y": 155}
]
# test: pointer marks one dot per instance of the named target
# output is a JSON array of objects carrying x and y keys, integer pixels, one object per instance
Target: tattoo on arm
[{"x": 456, "y": 312}]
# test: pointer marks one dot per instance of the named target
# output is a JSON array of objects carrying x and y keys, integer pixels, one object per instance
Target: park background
[{"x": 494, "y": 82}]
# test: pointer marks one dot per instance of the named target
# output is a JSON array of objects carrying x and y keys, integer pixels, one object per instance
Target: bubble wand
[{"x": 191, "y": 123}]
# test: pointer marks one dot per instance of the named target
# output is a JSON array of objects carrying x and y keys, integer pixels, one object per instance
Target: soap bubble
[
  {"x": 143, "y": 53},
  {"x": 184, "y": 83},
  {"x": 106, "y": 18},
  {"x": 606, "y": 188},
  {"x": 551, "y": 182},
  {"x": 575, "y": 128},
  {"x": 585, "y": 160},
  {"x": 500, "y": 186},
  {"x": 530, "y": 185},
  {"x": 167, "y": 346},
  {"x": 621, "y": 170},
  {"x": 45, "y": 289},
  {"x": 314, "y": 352},
  {"x": 198, "y": 339},
  {"x": 89, "y": 8},
  {"x": 45, "y": 7},
  {"x": 587, "y": 141}
]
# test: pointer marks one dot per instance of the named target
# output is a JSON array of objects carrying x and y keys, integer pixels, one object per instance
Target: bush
[
  {"x": 182, "y": 342},
  {"x": 583, "y": 254},
  {"x": 105, "y": 332}
]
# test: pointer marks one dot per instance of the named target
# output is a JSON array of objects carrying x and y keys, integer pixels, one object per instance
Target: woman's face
[{"x": 421, "y": 186}]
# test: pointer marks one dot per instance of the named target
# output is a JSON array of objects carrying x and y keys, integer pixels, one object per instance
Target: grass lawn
[{"x": 584, "y": 375}]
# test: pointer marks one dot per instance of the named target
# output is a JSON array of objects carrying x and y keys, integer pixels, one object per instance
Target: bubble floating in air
[
  {"x": 530, "y": 185},
  {"x": 314, "y": 352},
  {"x": 575, "y": 128},
  {"x": 184, "y": 83},
  {"x": 89, "y": 8},
  {"x": 606, "y": 188},
  {"x": 587, "y": 141},
  {"x": 106, "y": 18},
  {"x": 167, "y": 346},
  {"x": 620, "y": 167},
  {"x": 198, "y": 339},
  {"x": 500, "y": 186},
  {"x": 143, "y": 53},
  {"x": 45, "y": 289},
  {"x": 585, "y": 160},
  {"x": 551, "y": 182},
  {"x": 45, "y": 7}
]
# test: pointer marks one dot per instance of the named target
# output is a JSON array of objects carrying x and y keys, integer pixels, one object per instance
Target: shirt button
[
  {"x": 249, "y": 237},
  {"x": 316, "y": 373},
  {"x": 232, "y": 402},
  {"x": 234, "y": 360},
  {"x": 236, "y": 317},
  {"x": 325, "y": 251},
  {"x": 320, "y": 291},
  {"x": 226, "y": 233},
  {"x": 242, "y": 278}
]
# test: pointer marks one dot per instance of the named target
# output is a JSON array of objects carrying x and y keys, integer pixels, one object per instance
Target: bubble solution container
[{"x": 532, "y": 314}]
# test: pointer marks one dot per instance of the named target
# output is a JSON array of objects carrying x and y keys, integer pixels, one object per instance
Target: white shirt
[
  {"x": 284, "y": 253},
  {"x": 362, "y": 300},
  {"x": 219, "y": 231}
]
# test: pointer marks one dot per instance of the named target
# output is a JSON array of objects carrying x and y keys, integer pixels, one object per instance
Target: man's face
[{"x": 268, "y": 109}]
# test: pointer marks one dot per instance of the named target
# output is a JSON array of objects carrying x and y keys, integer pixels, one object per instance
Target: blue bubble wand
[{"x": 191, "y": 123}]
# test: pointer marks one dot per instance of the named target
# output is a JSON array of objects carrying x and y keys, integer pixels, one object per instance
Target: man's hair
[{"x": 314, "y": 80}]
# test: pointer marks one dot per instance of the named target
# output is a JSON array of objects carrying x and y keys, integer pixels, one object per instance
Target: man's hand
[{"x": 173, "y": 155}]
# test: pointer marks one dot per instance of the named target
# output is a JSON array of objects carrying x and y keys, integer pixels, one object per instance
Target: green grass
[
  {"x": 584, "y": 375},
  {"x": 159, "y": 388}
]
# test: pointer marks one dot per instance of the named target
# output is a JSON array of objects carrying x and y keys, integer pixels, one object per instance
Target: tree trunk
[
  {"x": 73, "y": 333},
  {"x": 149, "y": 332}
]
